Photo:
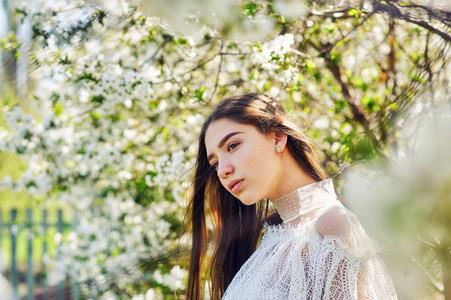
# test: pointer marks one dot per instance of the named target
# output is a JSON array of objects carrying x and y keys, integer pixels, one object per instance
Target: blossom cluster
[{"x": 102, "y": 142}]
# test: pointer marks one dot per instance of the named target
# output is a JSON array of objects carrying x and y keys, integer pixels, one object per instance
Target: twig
[
  {"x": 336, "y": 14},
  {"x": 176, "y": 81},
  {"x": 152, "y": 58},
  {"x": 434, "y": 282},
  {"x": 332, "y": 45},
  {"x": 427, "y": 63},
  {"x": 301, "y": 54},
  {"x": 217, "y": 75},
  {"x": 229, "y": 53}
]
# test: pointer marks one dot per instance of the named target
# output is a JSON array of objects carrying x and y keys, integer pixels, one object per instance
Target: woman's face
[{"x": 245, "y": 159}]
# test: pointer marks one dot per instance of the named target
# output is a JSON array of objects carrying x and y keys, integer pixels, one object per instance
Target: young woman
[{"x": 312, "y": 247}]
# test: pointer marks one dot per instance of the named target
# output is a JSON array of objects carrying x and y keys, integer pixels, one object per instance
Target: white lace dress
[{"x": 320, "y": 251}]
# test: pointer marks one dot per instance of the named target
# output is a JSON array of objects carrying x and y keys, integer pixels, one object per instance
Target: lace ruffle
[{"x": 291, "y": 265}]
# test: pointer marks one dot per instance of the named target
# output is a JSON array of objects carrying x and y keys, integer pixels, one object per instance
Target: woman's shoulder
[
  {"x": 338, "y": 222},
  {"x": 333, "y": 223}
]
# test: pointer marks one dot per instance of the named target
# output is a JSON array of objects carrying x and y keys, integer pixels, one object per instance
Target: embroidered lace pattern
[{"x": 319, "y": 252}]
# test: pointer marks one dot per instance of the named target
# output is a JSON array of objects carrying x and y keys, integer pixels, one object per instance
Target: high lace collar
[{"x": 303, "y": 199}]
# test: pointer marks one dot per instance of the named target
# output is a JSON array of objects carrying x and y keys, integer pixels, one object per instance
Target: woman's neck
[{"x": 292, "y": 176}]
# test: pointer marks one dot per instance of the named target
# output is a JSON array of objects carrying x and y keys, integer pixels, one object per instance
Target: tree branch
[
  {"x": 430, "y": 12},
  {"x": 336, "y": 14},
  {"x": 356, "y": 107},
  {"x": 396, "y": 12}
]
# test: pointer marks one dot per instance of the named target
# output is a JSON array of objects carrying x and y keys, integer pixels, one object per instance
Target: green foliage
[
  {"x": 10, "y": 43},
  {"x": 251, "y": 8},
  {"x": 199, "y": 93}
]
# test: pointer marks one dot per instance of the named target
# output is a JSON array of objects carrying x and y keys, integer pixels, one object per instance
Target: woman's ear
[{"x": 280, "y": 140}]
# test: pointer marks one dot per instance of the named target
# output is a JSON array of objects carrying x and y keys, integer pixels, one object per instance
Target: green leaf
[
  {"x": 181, "y": 41},
  {"x": 330, "y": 28},
  {"x": 58, "y": 108},
  {"x": 339, "y": 105},
  {"x": 251, "y": 8},
  {"x": 87, "y": 77},
  {"x": 354, "y": 12},
  {"x": 199, "y": 93},
  {"x": 98, "y": 99},
  {"x": 281, "y": 19},
  {"x": 362, "y": 149},
  {"x": 393, "y": 106},
  {"x": 335, "y": 58},
  {"x": 310, "y": 65}
]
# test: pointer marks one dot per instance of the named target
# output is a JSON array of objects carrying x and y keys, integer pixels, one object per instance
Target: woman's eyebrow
[{"x": 223, "y": 141}]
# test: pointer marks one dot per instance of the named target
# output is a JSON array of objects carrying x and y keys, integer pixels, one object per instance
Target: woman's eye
[
  {"x": 232, "y": 146},
  {"x": 215, "y": 165}
]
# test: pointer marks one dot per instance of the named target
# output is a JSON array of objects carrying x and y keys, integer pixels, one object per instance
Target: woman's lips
[{"x": 236, "y": 187}]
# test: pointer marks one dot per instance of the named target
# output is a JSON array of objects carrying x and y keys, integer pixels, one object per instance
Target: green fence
[{"x": 25, "y": 244}]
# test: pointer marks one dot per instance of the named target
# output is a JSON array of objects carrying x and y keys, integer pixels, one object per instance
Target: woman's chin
[{"x": 248, "y": 202}]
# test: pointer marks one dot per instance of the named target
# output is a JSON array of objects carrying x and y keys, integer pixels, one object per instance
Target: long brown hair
[{"x": 237, "y": 228}]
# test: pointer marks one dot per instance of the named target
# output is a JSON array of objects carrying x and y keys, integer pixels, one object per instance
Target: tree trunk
[
  {"x": 9, "y": 59},
  {"x": 446, "y": 267}
]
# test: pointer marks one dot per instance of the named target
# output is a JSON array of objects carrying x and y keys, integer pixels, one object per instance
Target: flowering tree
[{"x": 120, "y": 97}]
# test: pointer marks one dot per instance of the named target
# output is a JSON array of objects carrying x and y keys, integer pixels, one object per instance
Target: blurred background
[{"x": 101, "y": 103}]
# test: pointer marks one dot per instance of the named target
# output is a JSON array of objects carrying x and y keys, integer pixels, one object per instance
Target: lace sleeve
[{"x": 347, "y": 265}]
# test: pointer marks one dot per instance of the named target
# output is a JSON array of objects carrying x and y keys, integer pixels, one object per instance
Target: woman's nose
[{"x": 225, "y": 169}]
